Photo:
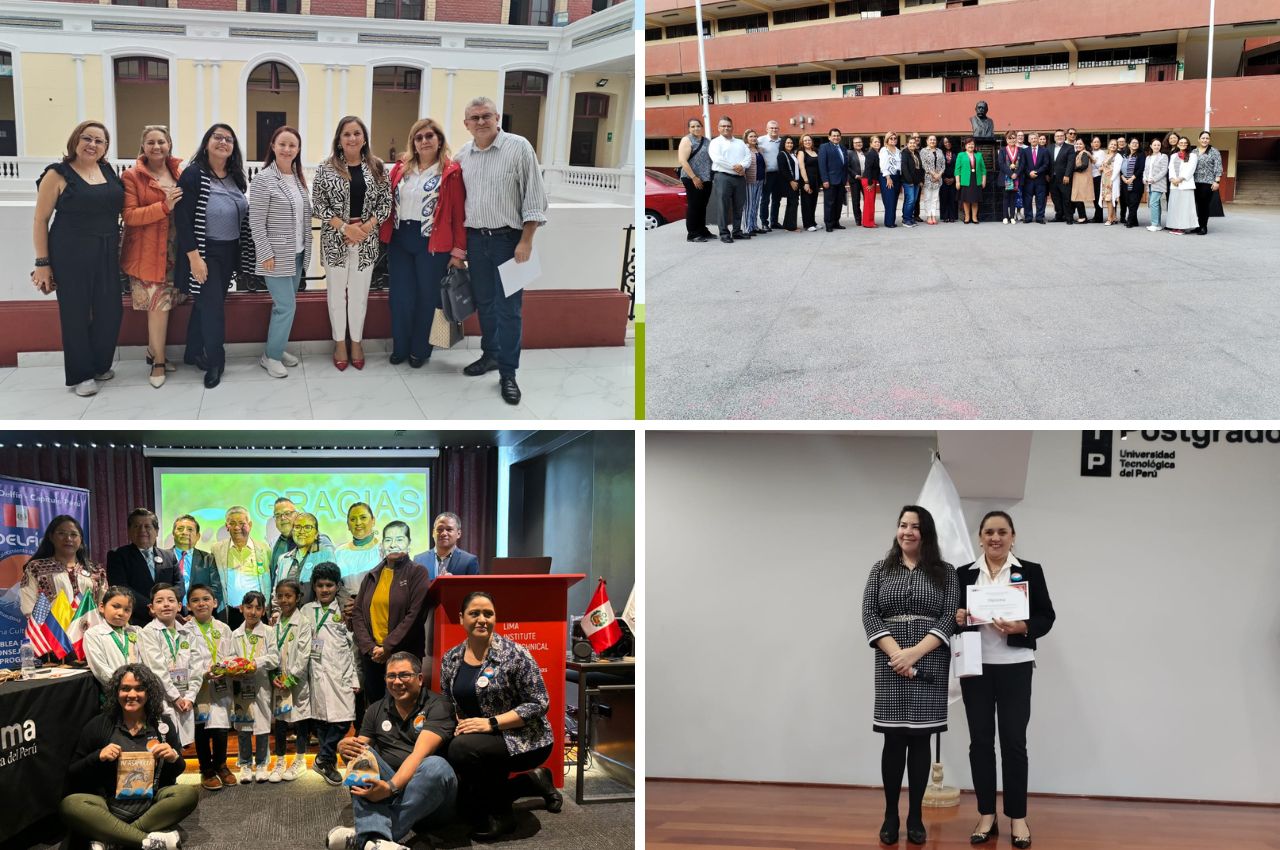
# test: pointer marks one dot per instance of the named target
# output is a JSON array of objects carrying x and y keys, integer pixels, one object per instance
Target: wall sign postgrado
[{"x": 1145, "y": 454}]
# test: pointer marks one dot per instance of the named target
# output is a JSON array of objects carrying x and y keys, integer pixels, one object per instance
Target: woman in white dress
[{"x": 1182, "y": 189}]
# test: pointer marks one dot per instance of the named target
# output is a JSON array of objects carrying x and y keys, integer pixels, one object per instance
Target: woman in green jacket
[{"x": 971, "y": 178}]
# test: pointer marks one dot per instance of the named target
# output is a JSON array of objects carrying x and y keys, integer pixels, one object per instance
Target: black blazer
[
  {"x": 1062, "y": 163},
  {"x": 126, "y": 567},
  {"x": 872, "y": 172},
  {"x": 912, "y": 175},
  {"x": 1042, "y": 614},
  {"x": 1138, "y": 167},
  {"x": 202, "y": 570},
  {"x": 785, "y": 166},
  {"x": 1039, "y": 164},
  {"x": 855, "y": 171}
]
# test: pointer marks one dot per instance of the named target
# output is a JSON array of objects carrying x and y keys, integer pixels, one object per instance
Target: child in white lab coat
[
  {"x": 213, "y": 642},
  {"x": 291, "y": 686},
  {"x": 111, "y": 645},
  {"x": 168, "y": 650},
  {"x": 333, "y": 670},
  {"x": 251, "y": 704}
]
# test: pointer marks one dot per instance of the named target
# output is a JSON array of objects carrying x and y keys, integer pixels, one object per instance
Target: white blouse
[
  {"x": 995, "y": 646},
  {"x": 418, "y": 193}
]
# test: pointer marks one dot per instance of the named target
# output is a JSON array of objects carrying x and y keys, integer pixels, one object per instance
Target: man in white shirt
[
  {"x": 730, "y": 158},
  {"x": 771, "y": 196}
]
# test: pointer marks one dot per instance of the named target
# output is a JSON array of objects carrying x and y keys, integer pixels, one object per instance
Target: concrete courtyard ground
[{"x": 961, "y": 322}]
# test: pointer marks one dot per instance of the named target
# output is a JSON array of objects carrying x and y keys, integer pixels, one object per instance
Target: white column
[
  {"x": 450, "y": 74},
  {"x": 216, "y": 100},
  {"x": 79, "y": 60},
  {"x": 201, "y": 123},
  {"x": 342, "y": 93},
  {"x": 550, "y": 119},
  {"x": 627, "y": 158},
  {"x": 502, "y": 90},
  {"x": 566, "y": 118},
  {"x": 328, "y": 109}
]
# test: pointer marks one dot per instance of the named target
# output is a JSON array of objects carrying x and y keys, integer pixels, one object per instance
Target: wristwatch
[
  {"x": 391, "y": 783},
  {"x": 493, "y": 724}
]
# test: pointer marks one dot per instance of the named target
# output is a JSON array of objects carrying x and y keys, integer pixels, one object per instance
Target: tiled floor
[{"x": 578, "y": 383}]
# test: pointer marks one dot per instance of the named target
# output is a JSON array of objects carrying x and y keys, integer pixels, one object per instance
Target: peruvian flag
[
  {"x": 21, "y": 516},
  {"x": 599, "y": 624}
]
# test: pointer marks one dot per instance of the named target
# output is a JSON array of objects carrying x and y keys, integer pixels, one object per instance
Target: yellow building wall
[
  {"x": 138, "y": 105},
  {"x": 608, "y": 153},
  {"x": 393, "y": 115},
  {"x": 466, "y": 85},
  {"x": 49, "y": 101},
  {"x": 227, "y": 109},
  {"x": 182, "y": 73}
]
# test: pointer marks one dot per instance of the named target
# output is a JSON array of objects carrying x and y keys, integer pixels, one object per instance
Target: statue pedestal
[{"x": 992, "y": 206}]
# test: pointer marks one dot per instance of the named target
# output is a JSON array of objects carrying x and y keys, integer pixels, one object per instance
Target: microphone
[{"x": 927, "y": 678}]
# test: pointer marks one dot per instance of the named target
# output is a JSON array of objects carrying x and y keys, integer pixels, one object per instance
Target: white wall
[
  {"x": 1160, "y": 678},
  {"x": 804, "y": 92},
  {"x": 929, "y": 86}
]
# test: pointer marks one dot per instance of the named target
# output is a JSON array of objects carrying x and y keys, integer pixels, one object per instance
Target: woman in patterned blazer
[
  {"x": 500, "y": 700},
  {"x": 352, "y": 196},
  {"x": 1003, "y": 690},
  {"x": 908, "y": 611}
]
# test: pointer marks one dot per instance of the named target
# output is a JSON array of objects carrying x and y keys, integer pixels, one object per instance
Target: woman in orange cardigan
[{"x": 147, "y": 253}]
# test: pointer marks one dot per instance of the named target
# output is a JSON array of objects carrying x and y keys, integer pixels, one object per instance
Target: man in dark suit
[
  {"x": 832, "y": 169},
  {"x": 194, "y": 566},
  {"x": 1035, "y": 170},
  {"x": 1060, "y": 156},
  {"x": 857, "y": 159},
  {"x": 141, "y": 564},
  {"x": 445, "y": 558}
]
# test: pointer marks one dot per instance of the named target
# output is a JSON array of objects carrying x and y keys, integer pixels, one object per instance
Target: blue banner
[{"x": 26, "y": 508}]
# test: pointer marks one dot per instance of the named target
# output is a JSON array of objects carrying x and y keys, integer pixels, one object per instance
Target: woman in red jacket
[
  {"x": 426, "y": 236},
  {"x": 147, "y": 253}
]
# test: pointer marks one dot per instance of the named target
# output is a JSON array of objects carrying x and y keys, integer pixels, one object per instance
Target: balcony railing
[{"x": 605, "y": 184}]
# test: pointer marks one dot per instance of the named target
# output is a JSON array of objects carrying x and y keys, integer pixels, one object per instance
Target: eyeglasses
[
  {"x": 304, "y": 527},
  {"x": 90, "y": 140},
  {"x": 285, "y": 514},
  {"x": 401, "y": 677},
  {"x": 222, "y": 139},
  {"x": 67, "y": 535},
  {"x": 480, "y": 119},
  {"x": 424, "y": 137}
]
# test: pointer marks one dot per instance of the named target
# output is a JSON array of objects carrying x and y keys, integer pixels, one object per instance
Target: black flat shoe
[
  {"x": 728, "y": 240},
  {"x": 417, "y": 362},
  {"x": 541, "y": 778},
  {"x": 397, "y": 359},
  {"x": 916, "y": 834},
  {"x": 479, "y": 367},
  {"x": 494, "y": 827},
  {"x": 984, "y": 837},
  {"x": 889, "y": 832},
  {"x": 510, "y": 389},
  {"x": 1020, "y": 843},
  {"x": 198, "y": 361},
  {"x": 212, "y": 377}
]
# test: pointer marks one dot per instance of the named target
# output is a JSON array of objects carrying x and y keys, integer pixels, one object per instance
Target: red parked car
[{"x": 664, "y": 199}]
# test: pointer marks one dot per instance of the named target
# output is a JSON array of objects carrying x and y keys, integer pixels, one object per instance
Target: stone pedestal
[{"x": 992, "y": 206}]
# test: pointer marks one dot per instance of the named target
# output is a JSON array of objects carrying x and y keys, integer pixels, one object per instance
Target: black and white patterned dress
[{"x": 910, "y": 706}]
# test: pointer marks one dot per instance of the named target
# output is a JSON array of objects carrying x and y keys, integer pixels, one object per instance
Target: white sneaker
[
  {"x": 160, "y": 841},
  {"x": 260, "y": 775},
  {"x": 106, "y": 376},
  {"x": 342, "y": 838},
  {"x": 246, "y": 774},
  {"x": 100, "y": 845},
  {"x": 295, "y": 769},
  {"x": 289, "y": 360},
  {"x": 274, "y": 367},
  {"x": 383, "y": 844},
  {"x": 812, "y": 229},
  {"x": 1152, "y": 227},
  {"x": 277, "y": 771},
  {"x": 87, "y": 388}
]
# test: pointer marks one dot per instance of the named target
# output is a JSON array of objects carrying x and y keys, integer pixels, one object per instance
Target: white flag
[
  {"x": 629, "y": 612},
  {"x": 939, "y": 497}
]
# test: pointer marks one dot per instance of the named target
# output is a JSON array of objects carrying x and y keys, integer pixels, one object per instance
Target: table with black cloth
[{"x": 40, "y": 722}]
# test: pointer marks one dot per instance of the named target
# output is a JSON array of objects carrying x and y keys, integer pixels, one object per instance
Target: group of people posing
[
  {"x": 194, "y": 644},
  {"x": 748, "y": 178},
  {"x": 911, "y": 606},
  {"x": 188, "y": 229}
]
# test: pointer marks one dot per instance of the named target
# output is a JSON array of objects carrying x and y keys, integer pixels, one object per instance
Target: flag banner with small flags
[
  {"x": 40, "y": 632},
  {"x": 939, "y": 497},
  {"x": 86, "y": 615},
  {"x": 599, "y": 624}
]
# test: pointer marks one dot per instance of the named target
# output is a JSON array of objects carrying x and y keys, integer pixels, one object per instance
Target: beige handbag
[{"x": 444, "y": 333}]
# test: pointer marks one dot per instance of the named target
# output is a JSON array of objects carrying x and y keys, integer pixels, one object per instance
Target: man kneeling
[{"x": 404, "y": 732}]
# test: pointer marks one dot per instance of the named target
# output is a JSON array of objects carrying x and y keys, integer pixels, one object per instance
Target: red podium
[{"x": 532, "y": 611}]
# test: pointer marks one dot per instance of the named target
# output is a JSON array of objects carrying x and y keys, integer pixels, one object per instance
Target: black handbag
[{"x": 455, "y": 295}]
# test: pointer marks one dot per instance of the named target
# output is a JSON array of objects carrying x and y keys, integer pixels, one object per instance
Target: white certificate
[
  {"x": 516, "y": 276},
  {"x": 1006, "y": 601}
]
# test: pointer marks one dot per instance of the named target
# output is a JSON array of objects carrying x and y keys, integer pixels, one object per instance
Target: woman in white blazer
[
  {"x": 1182, "y": 189},
  {"x": 280, "y": 220}
]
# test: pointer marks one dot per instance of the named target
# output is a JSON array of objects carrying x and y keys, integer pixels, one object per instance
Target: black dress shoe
[
  {"x": 541, "y": 778},
  {"x": 698, "y": 239},
  {"x": 479, "y": 367},
  {"x": 839, "y": 227},
  {"x": 728, "y": 240},
  {"x": 916, "y": 833},
  {"x": 984, "y": 837},
  {"x": 198, "y": 361},
  {"x": 417, "y": 362},
  {"x": 889, "y": 832},
  {"x": 212, "y": 377},
  {"x": 494, "y": 827},
  {"x": 829, "y": 229},
  {"x": 397, "y": 359},
  {"x": 742, "y": 236},
  {"x": 510, "y": 389}
]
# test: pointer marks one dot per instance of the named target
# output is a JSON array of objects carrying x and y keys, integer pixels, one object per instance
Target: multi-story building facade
[{"x": 868, "y": 66}]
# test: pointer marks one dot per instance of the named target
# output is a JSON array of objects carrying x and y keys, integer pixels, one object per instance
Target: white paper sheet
[{"x": 516, "y": 276}]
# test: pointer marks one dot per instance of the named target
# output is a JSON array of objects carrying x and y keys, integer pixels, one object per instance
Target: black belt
[{"x": 495, "y": 231}]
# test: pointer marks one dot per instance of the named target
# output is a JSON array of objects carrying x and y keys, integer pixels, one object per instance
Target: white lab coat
[
  {"x": 333, "y": 674},
  {"x": 293, "y": 637},
  {"x": 158, "y": 656},
  {"x": 218, "y": 698},
  {"x": 103, "y": 654},
  {"x": 264, "y": 654}
]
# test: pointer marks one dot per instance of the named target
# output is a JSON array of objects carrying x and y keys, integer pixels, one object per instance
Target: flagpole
[
  {"x": 1208, "y": 77},
  {"x": 702, "y": 69}
]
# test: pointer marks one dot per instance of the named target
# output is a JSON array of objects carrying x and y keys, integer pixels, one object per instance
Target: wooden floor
[{"x": 701, "y": 815}]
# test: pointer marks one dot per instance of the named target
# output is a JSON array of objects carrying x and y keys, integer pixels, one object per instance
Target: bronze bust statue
[{"x": 982, "y": 126}]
